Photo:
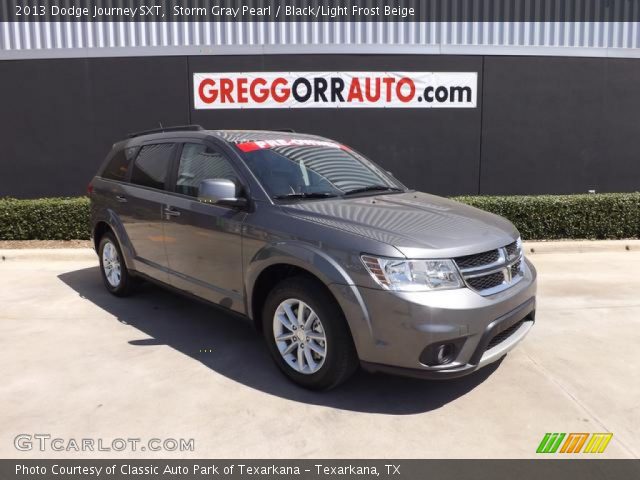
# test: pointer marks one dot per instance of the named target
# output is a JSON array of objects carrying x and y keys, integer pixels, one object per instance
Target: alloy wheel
[
  {"x": 299, "y": 336},
  {"x": 111, "y": 264}
]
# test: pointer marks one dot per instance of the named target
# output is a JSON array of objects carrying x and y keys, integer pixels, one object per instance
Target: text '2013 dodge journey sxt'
[{"x": 335, "y": 261}]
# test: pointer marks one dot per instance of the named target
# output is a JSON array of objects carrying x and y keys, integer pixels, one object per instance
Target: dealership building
[{"x": 453, "y": 103}]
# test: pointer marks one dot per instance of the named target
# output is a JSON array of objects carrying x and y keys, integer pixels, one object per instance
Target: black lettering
[
  {"x": 442, "y": 94},
  {"x": 460, "y": 91},
  {"x": 428, "y": 94},
  {"x": 294, "y": 90},
  {"x": 337, "y": 86},
  {"x": 319, "y": 87}
]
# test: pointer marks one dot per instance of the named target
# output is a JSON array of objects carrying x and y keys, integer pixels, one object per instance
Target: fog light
[
  {"x": 439, "y": 354},
  {"x": 444, "y": 353}
]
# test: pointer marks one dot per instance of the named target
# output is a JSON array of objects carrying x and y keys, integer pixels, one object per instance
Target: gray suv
[{"x": 334, "y": 260}]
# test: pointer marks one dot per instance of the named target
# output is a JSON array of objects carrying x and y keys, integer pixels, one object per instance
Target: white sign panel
[{"x": 335, "y": 90}]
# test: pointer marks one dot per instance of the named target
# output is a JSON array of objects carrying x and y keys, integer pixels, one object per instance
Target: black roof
[{"x": 231, "y": 136}]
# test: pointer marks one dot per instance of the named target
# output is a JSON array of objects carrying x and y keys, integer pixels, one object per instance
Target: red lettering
[
  {"x": 412, "y": 90},
  {"x": 367, "y": 90},
  {"x": 242, "y": 90},
  {"x": 260, "y": 90},
  {"x": 355, "y": 91},
  {"x": 282, "y": 95},
  {"x": 388, "y": 81},
  {"x": 258, "y": 95},
  {"x": 283, "y": 142},
  {"x": 248, "y": 146},
  {"x": 226, "y": 89},
  {"x": 210, "y": 94}
]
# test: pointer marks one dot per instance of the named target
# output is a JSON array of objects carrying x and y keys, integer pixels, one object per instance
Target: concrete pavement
[{"x": 77, "y": 363}]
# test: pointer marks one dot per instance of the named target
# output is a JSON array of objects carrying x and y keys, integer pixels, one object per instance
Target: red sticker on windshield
[{"x": 294, "y": 142}]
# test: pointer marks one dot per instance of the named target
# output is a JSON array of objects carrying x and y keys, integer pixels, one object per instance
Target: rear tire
[
  {"x": 115, "y": 275},
  {"x": 314, "y": 347}
]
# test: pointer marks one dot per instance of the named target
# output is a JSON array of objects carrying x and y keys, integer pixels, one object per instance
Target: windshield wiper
[
  {"x": 305, "y": 195},
  {"x": 373, "y": 188}
]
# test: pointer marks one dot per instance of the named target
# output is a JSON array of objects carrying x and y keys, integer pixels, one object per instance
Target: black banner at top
[{"x": 320, "y": 10}]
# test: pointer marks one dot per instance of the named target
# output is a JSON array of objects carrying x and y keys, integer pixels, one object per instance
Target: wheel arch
[
  {"x": 268, "y": 278},
  {"x": 99, "y": 229},
  {"x": 274, "y": 263},
  {"x": 110, "y": 223}
]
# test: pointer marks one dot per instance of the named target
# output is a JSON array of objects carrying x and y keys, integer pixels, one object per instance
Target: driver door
[{"x": 202, "y": 240}]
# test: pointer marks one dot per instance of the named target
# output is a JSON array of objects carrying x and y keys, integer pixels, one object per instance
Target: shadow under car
[{"x": 230, "y": 346}]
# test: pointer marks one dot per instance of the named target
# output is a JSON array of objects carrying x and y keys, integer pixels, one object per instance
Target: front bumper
[
  {"x": 401, "y": 327},
  {"x": 521, "y": 320}
]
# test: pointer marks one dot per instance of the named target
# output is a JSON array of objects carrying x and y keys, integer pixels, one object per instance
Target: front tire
[
  {"x": 115, "y": 275},
  {"x": 307, "y": 334}
]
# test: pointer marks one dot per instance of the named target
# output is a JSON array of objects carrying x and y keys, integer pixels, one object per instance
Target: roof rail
[
  {"x": 284, "y": 130},
  {"x": 179, "y": 128}
]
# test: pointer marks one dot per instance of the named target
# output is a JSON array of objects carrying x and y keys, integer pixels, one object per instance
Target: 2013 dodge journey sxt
[{"x": 335, "y": 261}]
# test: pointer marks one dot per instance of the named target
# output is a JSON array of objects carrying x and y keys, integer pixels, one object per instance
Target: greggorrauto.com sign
[{"x": 335, "y": 90}]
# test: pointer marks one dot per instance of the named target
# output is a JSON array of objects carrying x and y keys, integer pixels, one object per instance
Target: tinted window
[
  {"x": 197, "y": 163},
  {"x": 152, "y": 164},
  {"x": 117, "y": 167}
]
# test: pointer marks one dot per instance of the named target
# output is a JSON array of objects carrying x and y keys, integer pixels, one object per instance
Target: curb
[
  {"x": 580, "y": 246},
  {"x": 49, "y": 254}
]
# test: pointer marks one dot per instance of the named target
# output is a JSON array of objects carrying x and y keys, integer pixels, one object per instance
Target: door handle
[
  {"x": 170, "y": 212},
  {"x": 121, "y": 198}
]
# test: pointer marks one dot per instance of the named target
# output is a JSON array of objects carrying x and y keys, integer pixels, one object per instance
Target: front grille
[
  {"x": 502, "y": 336},
  {"x": 486, "y": 281},
  {"x": 492, "y": 271},
  {"x": 478, "y": 260},
  {"x": 512, "y": 250},
  {"x": 515, "y": 269}
]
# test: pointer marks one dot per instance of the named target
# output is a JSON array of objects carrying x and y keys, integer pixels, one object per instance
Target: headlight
[{"x": 413, "y": 275}]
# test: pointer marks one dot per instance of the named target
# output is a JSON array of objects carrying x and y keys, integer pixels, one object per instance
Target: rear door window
[
  {"x": 199, "y": 162},
  {"x": 152, "y": 165}
]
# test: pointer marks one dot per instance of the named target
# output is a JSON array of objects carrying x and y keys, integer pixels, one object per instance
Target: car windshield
[{"x": 312, "y": 169}]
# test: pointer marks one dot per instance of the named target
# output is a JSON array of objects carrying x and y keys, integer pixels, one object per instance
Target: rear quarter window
[{"x": 118, "y": 166}]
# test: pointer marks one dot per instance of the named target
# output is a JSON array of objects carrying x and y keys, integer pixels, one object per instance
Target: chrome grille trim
[
  {"x": 513, "y": 250},
  {"x": 470, "y": 262},
  {"x": 510, "y": 264},
  {"x": 483, "y": 269}
]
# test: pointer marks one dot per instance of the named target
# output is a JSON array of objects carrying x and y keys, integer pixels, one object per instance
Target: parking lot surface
[{"x": 77, "y": 363}]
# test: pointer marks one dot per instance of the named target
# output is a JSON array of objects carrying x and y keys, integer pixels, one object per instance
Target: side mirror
[{"x": 220, "y": 191}]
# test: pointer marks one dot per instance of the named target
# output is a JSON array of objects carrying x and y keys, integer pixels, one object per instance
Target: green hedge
[
  {"x": 550, "y": 217},
  {"x": 544, "y": 217},
  {"x": 44, "y": 219}
]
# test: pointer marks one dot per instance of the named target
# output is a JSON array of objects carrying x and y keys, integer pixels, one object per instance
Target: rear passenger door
[
  {"x": 142, "y": 202},
  {"x": 203, "y": 241}
]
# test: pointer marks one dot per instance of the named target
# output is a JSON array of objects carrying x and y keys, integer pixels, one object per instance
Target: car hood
[{"x": 419, "y": 225}]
